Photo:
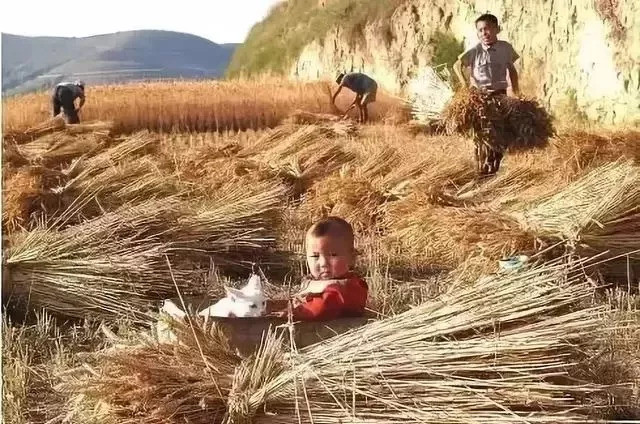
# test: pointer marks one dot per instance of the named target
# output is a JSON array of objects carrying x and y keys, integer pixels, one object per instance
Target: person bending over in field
[
  {"x": 333, "y": 290},
  {"x": 64, "y": 96},
  {"x": 365, "y": 88}
]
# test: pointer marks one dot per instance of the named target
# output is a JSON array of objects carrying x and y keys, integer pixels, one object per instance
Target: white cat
[{"x": 248, "y": 301}]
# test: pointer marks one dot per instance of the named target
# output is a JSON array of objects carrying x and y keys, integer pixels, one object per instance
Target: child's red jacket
[{"x": 344, "y": 298}]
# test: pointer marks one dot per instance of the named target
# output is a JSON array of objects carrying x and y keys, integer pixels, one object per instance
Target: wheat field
[{"x": 184, "y": 185}]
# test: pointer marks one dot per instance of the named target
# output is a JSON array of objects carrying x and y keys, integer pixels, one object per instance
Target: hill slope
[
  {"x": 31, "y": 63},
  {"x": 580, "y": 58}
]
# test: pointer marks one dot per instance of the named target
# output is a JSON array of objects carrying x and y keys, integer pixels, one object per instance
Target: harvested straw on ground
[
  {"x": 58, "y": 148},
  {"x": 47, "y": 127},
  {"x": 583, "y": 149},
  {"x": 446, "y": 236},
  {"x": 597, "y": 213},
  {"x": 288, "y": 139},
  {"x": 304, "y": 117},
  {"x": 493, "y": 352},
  {"x": 116, "y": 263},
  {"x": 21, "y": 191},
  {"x": 104, "y": 127},
  {"x": 352, "y": 198}
]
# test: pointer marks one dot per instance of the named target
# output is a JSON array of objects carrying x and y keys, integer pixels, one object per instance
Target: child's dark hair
[
  {"x": 332, "y": 225},
  {"x": 489, "y": 18}
]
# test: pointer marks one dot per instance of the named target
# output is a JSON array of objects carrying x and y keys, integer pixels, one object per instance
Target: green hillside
[{"x": 273, "y": 44}]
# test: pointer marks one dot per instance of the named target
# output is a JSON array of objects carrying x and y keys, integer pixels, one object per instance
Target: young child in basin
[{"x": 333, "y": 290}]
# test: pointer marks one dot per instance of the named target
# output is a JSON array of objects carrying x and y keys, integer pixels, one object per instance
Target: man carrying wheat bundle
[{"x": 491, "y": 69}]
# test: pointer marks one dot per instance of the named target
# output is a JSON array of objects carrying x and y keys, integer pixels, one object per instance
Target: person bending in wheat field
[
  {"x": 491, "y": 65},
  {"x": 64, "y": 96},
  {"x": 365, "y": 88}
]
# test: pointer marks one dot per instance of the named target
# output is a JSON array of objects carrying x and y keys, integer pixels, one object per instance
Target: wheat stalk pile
[
  {"x": 498, "y": 351},
  {"x": 102, "y": 221}
]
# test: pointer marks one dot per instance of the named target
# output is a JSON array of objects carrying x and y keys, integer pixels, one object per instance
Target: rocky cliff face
[{"x": 578, "y": 54}]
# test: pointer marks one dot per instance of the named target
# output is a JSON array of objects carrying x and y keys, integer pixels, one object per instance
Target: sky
[{"x": 221, "y": 21}]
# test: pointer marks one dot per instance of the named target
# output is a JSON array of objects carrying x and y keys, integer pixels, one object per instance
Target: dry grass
[
  {"x": 583, "y": 149},
  {"x": 445, "y": 360},
  {"x": 354, "y": 199},
  {"x": 111, "y": 210},
  {"x": 446, "y": 236},
  {"x": 188, "y": 106},
  {"x": 189, "y": 382},
  {"x": 34, "y": 356},
  {"x": 22, "y": 188},
  {"x": 116, "y": 264},
  {"x": 597, "y": 213}
]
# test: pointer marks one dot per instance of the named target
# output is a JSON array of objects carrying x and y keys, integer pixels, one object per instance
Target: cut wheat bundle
[
  {"x": 498, "y": 351},
  {"x": 497, "y": 123},
  {"x": 56, "y": 149},
  {"x": 286, "y": 140},
  {"x": 596, "y": 213},
  {"x": 502, "y": 189},
  {"x": 585, "y": 149},
  {"x": 116, "y": 263},
  {"x": 58, "y": 124},
  {"x": 488, "y": 353},
  {"x": 47, "y": 127},
  {"x": 238, "y": 218},
  {"x": 113, "y": 264},
  {"x": 191, "y": 381},
  {"x": 429, "y": 95},
  {"x": 501, "y": 121},
  {"x": 235, "y": 227},
  {"x": 101, "y": 127},
  {"x": 446, "y": 236},
  {"x": 20, "y": 194},
  {"x": 418, "y": 173},
  {"x": 299, "y": 158},
  {"x": 303, "y": 117},
  {"x": 122, "y": 182},
  {"x": 528, "y": 124},
  {"x": 11, "y": 155},
  {"x": 125, "y": 147},
  {"x": 350, "y": 197},
  {"x": 375, "y": 161}
]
